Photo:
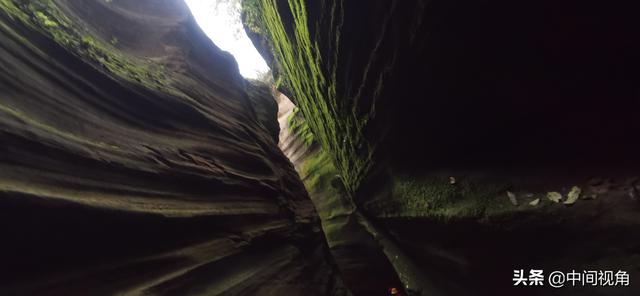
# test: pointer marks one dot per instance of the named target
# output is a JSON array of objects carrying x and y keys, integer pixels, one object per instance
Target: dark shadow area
[{"x": 525, "y": 83}]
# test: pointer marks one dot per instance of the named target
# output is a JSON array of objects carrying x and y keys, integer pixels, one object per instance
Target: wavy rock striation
[{"x": 134, "y": 159}]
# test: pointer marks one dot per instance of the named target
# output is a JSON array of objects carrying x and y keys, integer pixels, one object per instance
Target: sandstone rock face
[
  {"x": 134, "y": 159},
  {"x": 439, "y": 145},
  {"x": 433, "y": 117}
]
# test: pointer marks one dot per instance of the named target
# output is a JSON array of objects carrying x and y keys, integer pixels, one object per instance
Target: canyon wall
[
  {"x": 134, "y": 159},
  {"x": 460, "y": 140}
]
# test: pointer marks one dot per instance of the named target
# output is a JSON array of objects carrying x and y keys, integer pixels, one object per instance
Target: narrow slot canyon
[{"x": 319, "y": 147}]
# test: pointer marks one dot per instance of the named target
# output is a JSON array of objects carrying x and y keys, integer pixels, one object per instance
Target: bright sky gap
[{"x": 220, "y": 20}]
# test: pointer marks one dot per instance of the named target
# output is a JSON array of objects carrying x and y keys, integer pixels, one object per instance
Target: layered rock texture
[
  {"x": 134, "y": 159},
  {"x": 428, "y": 148},
  {"x": 451, "y": 142}
]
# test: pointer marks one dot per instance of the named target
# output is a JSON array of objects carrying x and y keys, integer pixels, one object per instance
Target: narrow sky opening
[{"x": 220, "y": 20}]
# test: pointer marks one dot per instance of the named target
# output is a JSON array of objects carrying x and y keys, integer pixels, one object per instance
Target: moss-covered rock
[
  {"x": 135, "y": 159},
  {"x": 454, "y": 115}
]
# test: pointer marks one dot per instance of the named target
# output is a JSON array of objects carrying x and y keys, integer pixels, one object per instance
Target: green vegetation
[
  {"x": 436, "y": 197},
  {"x": 46, "y": 17},
  {"x": 335, "y": 126},
  {"x": 333, "y": 122},
  {"x": 299, "y": 127},
  {"x": 251, "y": 15},
  {"x": 320, "y": 171}
]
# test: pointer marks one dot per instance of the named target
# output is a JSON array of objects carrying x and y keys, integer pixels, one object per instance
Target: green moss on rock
[
  {"x": 319, "y": 170},
  {"x": 337, "y": 128},
  {"x": 45, "y": 16},
  {"x": 436, "y": 197},
  {"x": 299, "y": 127}
]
